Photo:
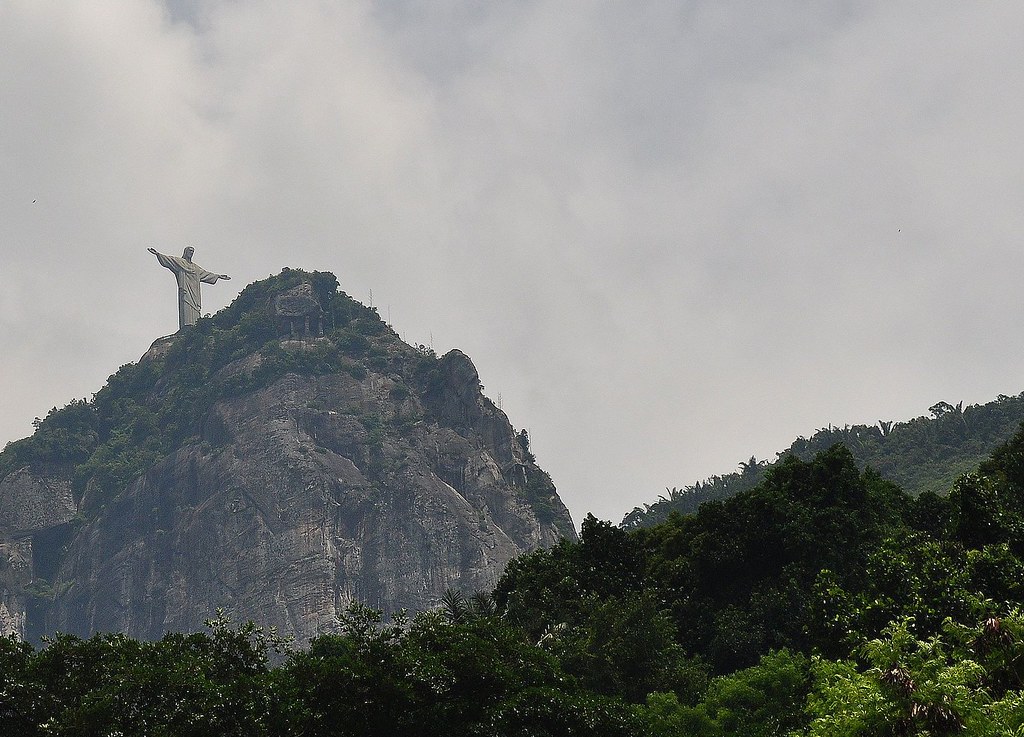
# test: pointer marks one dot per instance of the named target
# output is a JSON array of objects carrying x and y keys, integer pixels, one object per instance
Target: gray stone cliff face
[
  {"x": 32, "y": 508},
  {"x": 298, "y": 498}
]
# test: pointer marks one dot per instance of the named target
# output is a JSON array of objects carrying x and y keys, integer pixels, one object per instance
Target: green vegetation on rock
[{"x": 148, "y": 409}]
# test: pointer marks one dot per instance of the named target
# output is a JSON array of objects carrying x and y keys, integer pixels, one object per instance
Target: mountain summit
[{"x": 279, "y": 460}]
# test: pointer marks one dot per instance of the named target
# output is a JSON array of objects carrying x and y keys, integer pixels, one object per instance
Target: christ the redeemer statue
[{"x": 188, "y": 274}]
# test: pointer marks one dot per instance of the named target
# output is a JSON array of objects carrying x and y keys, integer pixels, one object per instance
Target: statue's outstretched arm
[{"x": 168, "y": 262}]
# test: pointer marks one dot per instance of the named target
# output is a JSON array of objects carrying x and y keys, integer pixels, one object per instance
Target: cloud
[{"x": 670, "y": 234}]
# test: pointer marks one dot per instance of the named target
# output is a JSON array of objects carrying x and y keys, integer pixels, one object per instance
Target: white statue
[{"x": 188, "y": 274}]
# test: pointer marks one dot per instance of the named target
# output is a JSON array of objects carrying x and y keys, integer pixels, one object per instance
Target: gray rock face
[
  {"x": 29, "y": 503},
  {"x": 32, "y": 508},
  {"x": 298, "y": 498},
  {"x": 298, "y": 314},
  {"x": 15, "y": 577}
]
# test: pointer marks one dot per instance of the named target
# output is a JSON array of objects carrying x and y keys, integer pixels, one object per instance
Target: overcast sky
[{"x": 671, "y": 234}]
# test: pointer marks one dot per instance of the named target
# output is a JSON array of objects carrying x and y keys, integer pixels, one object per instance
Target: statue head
[{"x": 187, "y": 255}]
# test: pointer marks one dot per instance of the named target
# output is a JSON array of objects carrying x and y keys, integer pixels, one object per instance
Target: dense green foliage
[
  {"x": 821, "y": 566},
  {"x": 926, "y": 454},
  {"x": 823, "y": 601},
  {"x": 430, "y": 676}
]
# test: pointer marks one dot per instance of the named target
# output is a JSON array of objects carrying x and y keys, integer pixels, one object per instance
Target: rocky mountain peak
[{"x": 279, "y": 460}]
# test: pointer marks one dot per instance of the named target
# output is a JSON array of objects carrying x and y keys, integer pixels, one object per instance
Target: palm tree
[
  {"x": 481, "y": 604},
  {"x": 749, "y": 468},
  {"x": 453, "y": 606}
]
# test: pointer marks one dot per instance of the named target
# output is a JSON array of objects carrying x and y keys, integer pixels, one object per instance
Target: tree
[
  {"x": 437, "y": 676},
  {"x": 547, "y": 588},
  {"x": 626, "y": 647},
  {"x": 196, "y": 684},
  {"x": 936, "y": 686},
  {"x": 765, "y": 700}
]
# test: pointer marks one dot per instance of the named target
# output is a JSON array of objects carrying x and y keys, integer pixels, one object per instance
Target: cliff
[{"x": 279, "y": 460}]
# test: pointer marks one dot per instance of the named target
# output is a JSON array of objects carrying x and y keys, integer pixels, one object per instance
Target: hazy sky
[{"x": 670, "y": 234}]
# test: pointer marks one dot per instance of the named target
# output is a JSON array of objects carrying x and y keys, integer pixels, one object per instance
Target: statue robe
[{"x": 188, "y": 274}]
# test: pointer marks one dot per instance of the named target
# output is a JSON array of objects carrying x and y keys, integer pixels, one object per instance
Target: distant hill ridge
[{"x": 922, "y": 454}]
